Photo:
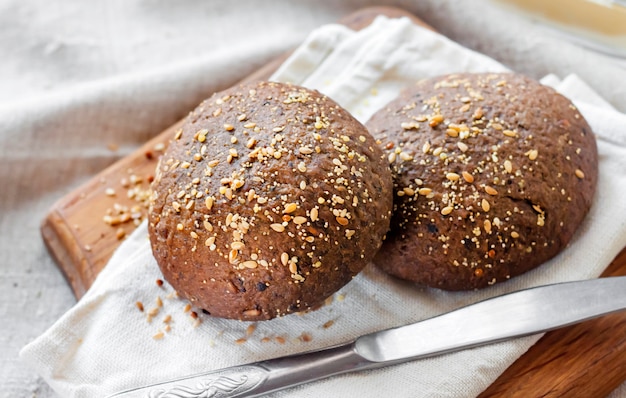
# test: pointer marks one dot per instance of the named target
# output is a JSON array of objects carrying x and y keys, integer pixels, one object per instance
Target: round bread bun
[
  {"x": 269, "y": 199},
  {"x": 493, "y": 174}
]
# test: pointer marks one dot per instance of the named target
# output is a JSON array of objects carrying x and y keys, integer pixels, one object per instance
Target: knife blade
[{"x": 504, "y": 317}]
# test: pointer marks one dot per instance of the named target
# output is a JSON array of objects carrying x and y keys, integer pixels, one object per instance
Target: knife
[{"x": 516, "y": 314}]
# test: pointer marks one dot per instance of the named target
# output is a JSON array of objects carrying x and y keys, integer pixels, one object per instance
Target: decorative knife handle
[
  {"x": 230, "y": 382},
  {"x": 258, "y": 378}
]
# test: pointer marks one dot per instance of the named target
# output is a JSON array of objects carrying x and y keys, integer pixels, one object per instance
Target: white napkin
[{"x": 105, "y": 344}]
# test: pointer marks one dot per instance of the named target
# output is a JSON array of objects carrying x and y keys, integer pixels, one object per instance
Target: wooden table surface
[{"x": 86, "y": 226}]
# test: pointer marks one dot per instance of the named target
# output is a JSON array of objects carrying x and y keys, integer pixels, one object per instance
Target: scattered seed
[
  {"x": 250, "y": 264},
  {"x": 579, "y": 173},
  {"x": 468, "y": 177},
  {"x": 541, "y": 220},
  {"x": 251, "y": 143},
  {"x": 139, "y": 305},
  {"x": 453, "y": 176},
  {"x": 485, "y": 205},
  {"x": 237, "y": 245},
  {"x": 487, "y": 226},
  {"x": 435, "y": 120},
  {"x": 299, "y": 220},
  {"x": 478, "y": 113},
  {"x": 452, "y": 133},
  {"x": 508, "y": 166},
  {"x": 447, "y": 210},
  {"x": 425, "y": 191},
  {"x": 232, "y": 256},
  {"x": 209, "y": 202},
  {"x": 490, "y": 190},
  {"x": 290, "y": 208},
  {"x": 342, "y": 220},
  {"x": 409, "y": 125},
  {"x": 293, "y": 268},
  {"x": 405, "y": 156},
  {"x": 305, "y": 337},
  {"x": 253, "y": 312},
  {"x": 277, "y": 227}
]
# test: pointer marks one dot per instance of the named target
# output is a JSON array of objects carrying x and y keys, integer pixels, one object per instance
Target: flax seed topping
[
  {"x": 288, "y": 199},
  {"x": 503, "y": 170}
]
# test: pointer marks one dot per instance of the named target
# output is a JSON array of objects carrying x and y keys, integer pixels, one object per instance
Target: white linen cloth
[{"x": 104, "y": 344}]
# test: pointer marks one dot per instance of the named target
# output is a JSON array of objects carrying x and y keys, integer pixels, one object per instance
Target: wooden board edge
[{"x": 55, "y": 231}]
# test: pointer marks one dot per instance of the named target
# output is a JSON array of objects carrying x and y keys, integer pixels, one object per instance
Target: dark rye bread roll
[
  {"x": 493, "y": 173},
  {"x": 269, "y": 199}
]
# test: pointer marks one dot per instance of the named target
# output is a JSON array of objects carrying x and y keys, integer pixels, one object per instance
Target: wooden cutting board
[{"x": 83, "y": 229}]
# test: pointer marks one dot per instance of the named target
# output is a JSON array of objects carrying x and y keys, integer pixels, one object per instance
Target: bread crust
[
  {"x": 493, "y": 174},
  {"x": 269, "y": 199}
]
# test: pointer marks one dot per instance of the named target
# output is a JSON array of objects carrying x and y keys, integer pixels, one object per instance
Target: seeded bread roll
[
  {"x": 493, "y": 173},
  {"x": 269, "y": 199}
]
